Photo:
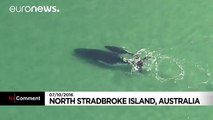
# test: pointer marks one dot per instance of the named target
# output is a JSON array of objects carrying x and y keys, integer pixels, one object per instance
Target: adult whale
[{"x": 99, "y": 55}]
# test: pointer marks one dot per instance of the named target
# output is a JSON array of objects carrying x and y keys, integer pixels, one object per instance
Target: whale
[
  {"x": 118, "y": 50},
  {"x": 101, "y": 56}
]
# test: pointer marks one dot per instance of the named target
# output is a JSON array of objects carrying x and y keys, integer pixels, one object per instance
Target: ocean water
[{"x": 36, "y": 54}]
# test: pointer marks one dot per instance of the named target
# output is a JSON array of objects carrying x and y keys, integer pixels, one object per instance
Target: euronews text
[{"x": 29, "y": 9}]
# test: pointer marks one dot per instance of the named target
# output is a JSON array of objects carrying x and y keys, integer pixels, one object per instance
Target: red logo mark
[{"x": 11, "y": 98}]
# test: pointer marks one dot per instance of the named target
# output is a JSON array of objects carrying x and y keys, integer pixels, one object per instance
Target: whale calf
[{"x": 118, "y": 50}]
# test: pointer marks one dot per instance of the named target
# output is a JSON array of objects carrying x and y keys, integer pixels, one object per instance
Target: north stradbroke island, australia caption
[{"x": 124, "y": 101}]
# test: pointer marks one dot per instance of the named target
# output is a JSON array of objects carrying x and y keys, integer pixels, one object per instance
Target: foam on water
[
  {"x": 201, "y": 77},
  {"x": 177, "y": 66},
  {"x": 167, "y": 68}
]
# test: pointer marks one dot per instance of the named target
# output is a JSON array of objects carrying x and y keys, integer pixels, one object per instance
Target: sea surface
[{"x": 37, "y": 54}]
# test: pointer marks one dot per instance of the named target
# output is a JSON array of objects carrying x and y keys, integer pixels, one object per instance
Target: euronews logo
[{"x": 28, "y": 9}]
